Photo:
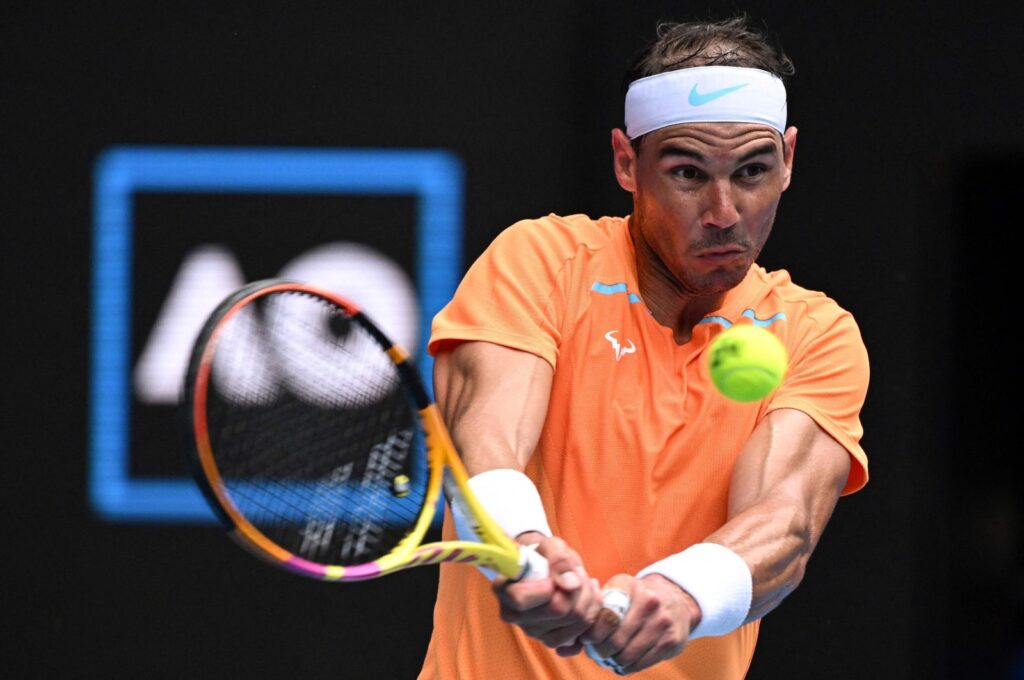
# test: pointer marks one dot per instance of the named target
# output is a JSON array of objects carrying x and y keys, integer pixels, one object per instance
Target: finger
[
  {"x": 571, "y": 649},
  {"x": 524, "y": 596},
  {"x": 570, "y": 579},
  {"x": 573, "y": 611},
  {"x": 544, "y": 608},
  {"x": 605, "y": 661},
  {"x": 559, "y": 555},
  {"x": 618, "y": 622},
  {"x": 565, "y": 566},
  {"x": 655, "y": 655},
  {"x": 656, "y": 632},
  {"x": 614, "y": 605},
  {"x": 638, "y": 654},
  {"x": 576, "y": 595},
  {"x": 560, "y": 638}
]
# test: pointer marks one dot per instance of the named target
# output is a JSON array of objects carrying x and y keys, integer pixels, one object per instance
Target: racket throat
[{"x": 467, "y": 528}]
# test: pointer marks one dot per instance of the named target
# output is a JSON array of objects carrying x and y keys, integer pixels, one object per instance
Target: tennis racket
[{"x": 316, "y": 444}]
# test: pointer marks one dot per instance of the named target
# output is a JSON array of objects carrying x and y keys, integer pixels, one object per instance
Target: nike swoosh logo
[{"x": 698, "y": 99}]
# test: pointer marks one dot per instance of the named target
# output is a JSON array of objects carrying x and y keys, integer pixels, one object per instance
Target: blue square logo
[{"x": 432, "y": 178}]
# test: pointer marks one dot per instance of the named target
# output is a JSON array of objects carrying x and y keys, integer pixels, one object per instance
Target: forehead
[{"x": 715, "y": 138}]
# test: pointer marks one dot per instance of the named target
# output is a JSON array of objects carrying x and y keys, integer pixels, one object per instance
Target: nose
[{"x": 720, "y": 210}]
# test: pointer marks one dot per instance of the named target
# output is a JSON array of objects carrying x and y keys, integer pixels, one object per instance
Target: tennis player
[{"x": 571, "y": 367}]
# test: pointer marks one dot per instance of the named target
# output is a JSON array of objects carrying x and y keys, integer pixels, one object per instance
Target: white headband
[{"x": 705, "y": 94}]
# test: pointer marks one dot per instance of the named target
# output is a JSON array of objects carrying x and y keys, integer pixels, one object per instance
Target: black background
[{"x": 904, "y": 207}]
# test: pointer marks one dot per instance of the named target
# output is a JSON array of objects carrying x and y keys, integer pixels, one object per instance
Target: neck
[{"x": 668, "y": 300}]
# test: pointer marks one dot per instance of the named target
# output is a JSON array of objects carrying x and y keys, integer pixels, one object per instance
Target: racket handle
[
  {"x": 616, "y": 601},
  {"x": 533, "y": 565},
  {"x": 610, "y": 664}
]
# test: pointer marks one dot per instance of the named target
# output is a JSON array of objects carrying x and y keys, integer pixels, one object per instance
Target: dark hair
[{"x": 731, "y": 42}]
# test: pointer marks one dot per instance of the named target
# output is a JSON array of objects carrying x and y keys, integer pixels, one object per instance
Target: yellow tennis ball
[
  {"x": 747, "y": 362},
  {"x": 400, "y": 485}
]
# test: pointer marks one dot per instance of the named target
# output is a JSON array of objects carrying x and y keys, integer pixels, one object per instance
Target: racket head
[{"x": 306, "y": 432}]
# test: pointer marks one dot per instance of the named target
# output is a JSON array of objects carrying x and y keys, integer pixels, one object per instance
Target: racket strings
[{"x": 313, "y": 432}]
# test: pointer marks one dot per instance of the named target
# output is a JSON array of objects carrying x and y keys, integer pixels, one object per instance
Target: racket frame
[{"x": 495, "y": 551}]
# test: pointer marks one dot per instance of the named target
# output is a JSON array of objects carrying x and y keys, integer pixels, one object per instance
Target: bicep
[
  {"x": 790, "y": 460},
  {"x": 494, "y": 400}
]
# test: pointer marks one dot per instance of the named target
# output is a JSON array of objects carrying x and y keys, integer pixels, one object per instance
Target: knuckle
[
  {"x": 608, "y": 647},
  {"x": 554, "y": 543},
  {"x": 627, "y": 659},
  {"x": 565, "y": 640},
  {"x": 647, "y": 605},
  {"x": 560, "y": 607},
  {"x": 668, "y": 647},
  {"x": 555, "y": 639},
  {"x": 662, "y": 621}
]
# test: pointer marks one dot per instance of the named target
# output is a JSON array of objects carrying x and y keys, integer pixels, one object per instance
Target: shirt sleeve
[
  {"x": 512, "y": 295},
  {"x": 828, "y": 379}
]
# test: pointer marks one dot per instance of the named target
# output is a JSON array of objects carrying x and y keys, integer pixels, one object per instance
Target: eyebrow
[{"x": 672, "y": 150}]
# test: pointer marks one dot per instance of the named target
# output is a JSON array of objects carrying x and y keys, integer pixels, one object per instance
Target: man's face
[{"x": 705, "y": 196}]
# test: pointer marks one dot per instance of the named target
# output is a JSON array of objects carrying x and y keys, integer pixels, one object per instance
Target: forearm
[
  {"x": 775, "y": 539},
  {"x": 493, "y": 400},
  {"x": 785, "y": 487}
]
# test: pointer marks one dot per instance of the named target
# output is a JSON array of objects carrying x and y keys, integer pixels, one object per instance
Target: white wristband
[
  {"x": 510, "y": 498},
  {"x": 717, "y": 578}
]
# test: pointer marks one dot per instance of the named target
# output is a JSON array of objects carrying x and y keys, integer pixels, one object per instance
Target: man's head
[
  {"x": 705, "y": 153},
  {"x": 733, "y": 42}
]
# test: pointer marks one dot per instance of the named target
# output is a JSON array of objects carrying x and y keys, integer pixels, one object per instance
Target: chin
[{"x": 721, "y": 280}]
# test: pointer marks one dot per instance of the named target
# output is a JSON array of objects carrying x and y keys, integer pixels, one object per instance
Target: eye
[
  {"x": 687, "y": 172},
  {"x": 752, "y": 171}
]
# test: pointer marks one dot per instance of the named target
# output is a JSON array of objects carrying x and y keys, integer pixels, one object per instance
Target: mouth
[{"x": 721, "y": 254}]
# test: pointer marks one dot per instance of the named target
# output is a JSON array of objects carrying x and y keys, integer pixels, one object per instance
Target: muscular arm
[
  {"x": 494, "y": 401},
  {"x": 785, "y": 485}
]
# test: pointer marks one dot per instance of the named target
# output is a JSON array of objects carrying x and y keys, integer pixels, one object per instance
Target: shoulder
[
  {"x": 809, "y": 322},
  {"x": 829, "y": 369},
  {"x": 803, "y": 306},
  {"x": 561, "y": 236}
]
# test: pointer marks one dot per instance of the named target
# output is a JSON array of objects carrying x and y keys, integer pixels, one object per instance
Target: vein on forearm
[
  {"x": 493, "y": 400},
  {"x": 785, "y": 488}
]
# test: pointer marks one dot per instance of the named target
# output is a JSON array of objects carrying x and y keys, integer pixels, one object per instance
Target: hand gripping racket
[{"x": 315, "y": 443}]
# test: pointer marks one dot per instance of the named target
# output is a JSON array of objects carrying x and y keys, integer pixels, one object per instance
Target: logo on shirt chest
[{"x": 620, "y": 349}]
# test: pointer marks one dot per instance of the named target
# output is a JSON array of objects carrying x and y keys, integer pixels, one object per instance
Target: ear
[
  {"x": 788, "y": 151},
  {"x": 624, "y": 160}
]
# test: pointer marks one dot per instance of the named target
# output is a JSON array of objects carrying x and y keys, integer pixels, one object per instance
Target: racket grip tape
[
  {"x": 616, "y": 601},
  {"x": 533, "y": 565}
]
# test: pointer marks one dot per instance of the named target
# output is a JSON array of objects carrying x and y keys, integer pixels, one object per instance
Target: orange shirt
[{"x": 638, "y": 447}]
